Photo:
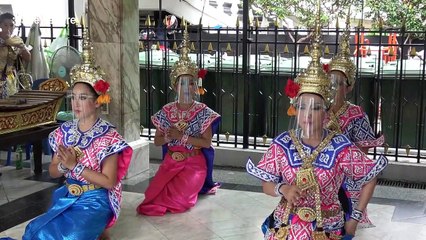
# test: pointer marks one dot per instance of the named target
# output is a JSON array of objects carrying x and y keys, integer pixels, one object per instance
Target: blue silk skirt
[{"x": 71, "y": 217}]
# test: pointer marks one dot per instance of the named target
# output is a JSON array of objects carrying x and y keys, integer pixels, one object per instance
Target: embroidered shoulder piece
[
  {"x": 74, "y": 137},
  {"x": 362, "y": 134},
  {"x": 55, "y": 138},
  {"x": 352, "y": 112},
  {"x": 261, "y": 174},
  {"x": 326, "y": 158},
  {"x": 176, "y": 115},
  {"x": 379, "y": 166},
  {"x": 116, "y": 147},
  {"x": 372, "y": 143}
]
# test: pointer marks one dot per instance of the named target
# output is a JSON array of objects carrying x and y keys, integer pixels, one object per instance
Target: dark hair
[
  {"x": 7, "y": 15},
  {"x": 92, "y": 90}
]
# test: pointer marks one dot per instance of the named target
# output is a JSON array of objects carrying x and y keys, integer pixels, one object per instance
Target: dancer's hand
[
  {"x": 350, "y": 227},
  {"x": 67, "y": 156},
  {"x": 292, "y": 193},
  {"x": 174, "y": 133}
]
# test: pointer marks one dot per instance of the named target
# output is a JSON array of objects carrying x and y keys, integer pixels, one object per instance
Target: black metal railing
[
  {"x": 389, "y": 87},
  {"x": 245, "y": 85}
]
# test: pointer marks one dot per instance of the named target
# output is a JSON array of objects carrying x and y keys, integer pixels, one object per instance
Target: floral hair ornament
[
  {"x": 201, "y": 75},
  {"x": 102, "y": 87},
  {"x": 88, "y": 73},
  {"x": 291, "y": 90}
]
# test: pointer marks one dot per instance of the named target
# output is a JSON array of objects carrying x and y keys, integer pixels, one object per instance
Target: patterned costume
[
  {"x": 80, "y": 209},
  {"x": 351, "y": 120},
  {"x": 93, "y": 210},
  {"x": 313, "y": 174},
  {"x": 186, "y": 170},
  {"x": 177, "y": 183},
  {"x": 339, "y": 159}
]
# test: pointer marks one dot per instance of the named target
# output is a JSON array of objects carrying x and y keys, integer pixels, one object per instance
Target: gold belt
[
  {"x": 308, "y": 214},
  {"x": 180, "y": 156},
  {"x": 77, "y": 190}
]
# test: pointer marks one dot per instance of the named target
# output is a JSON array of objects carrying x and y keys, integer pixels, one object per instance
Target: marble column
[{"x": 114, "y": 30}]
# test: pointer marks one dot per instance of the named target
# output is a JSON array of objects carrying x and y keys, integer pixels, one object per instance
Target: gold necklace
[
  {"x": 333, "y": 123},
  {"x": 305, "y": 176},
  {"x": 305, "y": 179}
]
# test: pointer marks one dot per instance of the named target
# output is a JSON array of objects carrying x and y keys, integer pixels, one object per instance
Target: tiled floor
[{"x": 234, "y": 213}]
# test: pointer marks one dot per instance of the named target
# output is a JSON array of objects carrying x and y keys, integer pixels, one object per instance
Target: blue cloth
[
  {"x": 72, "y": 218},
  {"x": 348, "y": 237},
  {"x": 265, "y": 225},
  {"x": 209, "y": 155}
]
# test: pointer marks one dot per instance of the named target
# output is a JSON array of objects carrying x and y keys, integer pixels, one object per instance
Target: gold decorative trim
[
  {"x": 305, "y": 177},
  {"x": 333, "y": 124},
  {"x": 43, "y": 114},
  {"x": 54, "y": 84}
]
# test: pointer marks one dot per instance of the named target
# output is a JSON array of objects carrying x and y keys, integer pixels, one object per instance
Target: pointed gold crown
[
  {"x": 87, "y": 72},
  {"x": 184, "y": 66},
  {"x": 342, "y": 61},
  {"x": 314, "y": 79}
]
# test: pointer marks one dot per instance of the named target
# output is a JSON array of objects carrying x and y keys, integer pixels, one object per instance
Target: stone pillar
[{"x": 114, "y": 30}]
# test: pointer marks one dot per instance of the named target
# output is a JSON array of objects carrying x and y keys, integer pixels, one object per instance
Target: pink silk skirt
[{"x": 175, "y": 186}]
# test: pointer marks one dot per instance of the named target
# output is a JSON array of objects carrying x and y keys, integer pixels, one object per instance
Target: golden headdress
[
  {"x": 88, "y": 73},
  {"x": 314, "y": 79},
  {"x": 184, "y": 66},
  {"x": 342, "y": 61}
]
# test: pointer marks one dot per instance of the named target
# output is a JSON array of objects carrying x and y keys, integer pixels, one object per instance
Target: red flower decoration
[
  {"x": 202, "y": 73},
  {"x": 326, "y": 67},
  {"x": 101, "y": 86},
  {"x": 291, "y": 88}
]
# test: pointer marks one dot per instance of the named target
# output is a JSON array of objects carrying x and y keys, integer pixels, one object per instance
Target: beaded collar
[{"x": 74, "y": 137}]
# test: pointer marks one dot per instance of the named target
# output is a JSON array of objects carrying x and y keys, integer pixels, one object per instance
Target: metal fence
[
  {"x": 389, "y": 84},
  {"x": 244, "y": 84}
]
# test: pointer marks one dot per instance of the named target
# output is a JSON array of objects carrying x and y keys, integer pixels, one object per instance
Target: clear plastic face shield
[
  {"x": 340, "y": 81},
  {"x": 81, "y": 102},
  {"x": 187, "y": 89},
  {"x": 310, "y": 114}
]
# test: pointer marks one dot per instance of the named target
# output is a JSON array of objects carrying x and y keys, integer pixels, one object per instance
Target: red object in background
[
  {"x": 326, "y": 67},
  {"x": 202, "y": 73}
]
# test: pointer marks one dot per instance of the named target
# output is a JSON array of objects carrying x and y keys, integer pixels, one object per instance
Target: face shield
[
  {"x": 187, "y": 90},
  {"x": 340, "y": 81},
  {"x": 80, "y": 102},
  {"x": 310, "y": 114}
]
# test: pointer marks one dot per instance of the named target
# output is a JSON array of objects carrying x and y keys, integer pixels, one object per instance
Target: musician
[{"x": 12, "y": 49}]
